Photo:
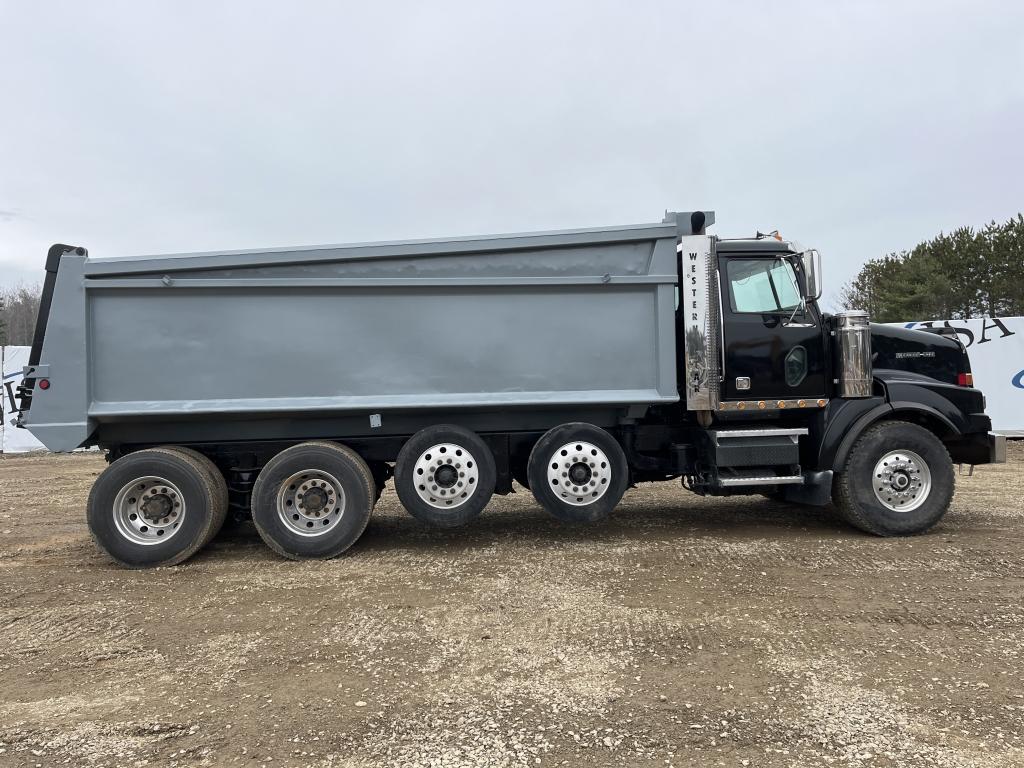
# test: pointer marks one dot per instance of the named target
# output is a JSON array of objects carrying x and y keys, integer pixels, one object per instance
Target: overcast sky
[{"x": 860, "y": 128}]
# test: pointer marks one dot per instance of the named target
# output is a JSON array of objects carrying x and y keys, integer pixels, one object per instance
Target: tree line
[
  {"x": 954, "y": 276},
  {"x": 18, "y": 309}
]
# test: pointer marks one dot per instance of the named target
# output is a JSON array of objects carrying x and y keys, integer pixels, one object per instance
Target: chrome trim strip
[
  {"x": 772, "y": 480},
  {"x": 759, "y": 432},
  {"x": 699, "y": 342}
]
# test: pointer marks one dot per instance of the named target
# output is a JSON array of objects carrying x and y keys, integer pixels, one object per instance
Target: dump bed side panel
[
  {"x": 549, "y": 326},
  {"x": 313, "y": 348}
]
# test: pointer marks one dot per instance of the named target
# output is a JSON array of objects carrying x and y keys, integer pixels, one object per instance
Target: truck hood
[{"x": 919, "y": 352}]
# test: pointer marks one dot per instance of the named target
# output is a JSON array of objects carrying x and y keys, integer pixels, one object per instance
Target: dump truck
[{"x": 291, "y": 384}]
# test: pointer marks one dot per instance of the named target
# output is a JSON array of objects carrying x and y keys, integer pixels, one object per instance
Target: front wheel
[{"x": 897, "y": 480}]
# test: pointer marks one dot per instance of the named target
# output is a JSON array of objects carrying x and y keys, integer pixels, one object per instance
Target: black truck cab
[{"x": 795, "y": 402}]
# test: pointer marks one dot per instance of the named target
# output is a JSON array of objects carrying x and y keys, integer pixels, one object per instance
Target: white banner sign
[
  {"x": 12, "y": 439},
  {"x": 996, "y": 347}
]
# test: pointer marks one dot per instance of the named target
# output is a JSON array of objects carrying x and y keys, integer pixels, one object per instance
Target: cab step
[
  {"x": 755, "y": 447},
  {"x": 725, "y": 435}
]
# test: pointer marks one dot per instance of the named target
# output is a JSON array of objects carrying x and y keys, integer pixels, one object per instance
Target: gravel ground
[{"x": 685, "y": 631}]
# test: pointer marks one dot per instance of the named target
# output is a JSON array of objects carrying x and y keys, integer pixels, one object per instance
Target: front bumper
[
  {"x": 978, "y": 448},
  {"x": 997, "y": 446}
]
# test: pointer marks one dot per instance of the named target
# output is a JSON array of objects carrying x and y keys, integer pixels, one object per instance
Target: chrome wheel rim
[
  {"x": 311, "y": 502},
  {"x": 149, "y": 510},
  {"x": 446, "y": 475},
  {"x": 901, "y": 481},
  {"x": 579, "y": 473}
]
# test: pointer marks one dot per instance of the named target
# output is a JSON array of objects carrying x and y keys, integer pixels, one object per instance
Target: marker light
[{"x": 44, "y": 383}]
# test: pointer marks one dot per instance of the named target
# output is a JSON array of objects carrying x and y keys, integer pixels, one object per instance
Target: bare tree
[{"x": 19, "y": 307}]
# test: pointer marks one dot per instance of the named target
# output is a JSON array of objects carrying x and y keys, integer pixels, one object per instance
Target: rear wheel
[
  {"x": 217, "y": 482},
  {"x": 153, "y": 507},
  {"x": 897, "y": 480},
  {"x": 445, "y": 475},
  {"x": 313, "y": 500},
  {"x": 578, "y": 472}
]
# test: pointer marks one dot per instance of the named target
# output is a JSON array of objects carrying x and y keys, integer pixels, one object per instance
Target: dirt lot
[{"x": 684, "y": 632}]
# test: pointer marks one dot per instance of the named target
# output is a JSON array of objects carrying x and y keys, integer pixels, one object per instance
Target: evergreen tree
[{"x": 957, "y": 275}]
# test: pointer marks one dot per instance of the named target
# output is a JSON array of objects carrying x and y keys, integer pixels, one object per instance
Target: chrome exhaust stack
[{"x": 853, "y": 354}]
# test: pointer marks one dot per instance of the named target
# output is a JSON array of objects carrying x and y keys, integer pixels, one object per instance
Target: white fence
[{"x": 996, "y": 347}]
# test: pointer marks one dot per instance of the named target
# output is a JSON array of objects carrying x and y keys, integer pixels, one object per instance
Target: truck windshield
[{"x": 762, "y": 285}]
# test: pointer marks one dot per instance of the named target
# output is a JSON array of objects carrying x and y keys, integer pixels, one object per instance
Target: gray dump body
[{"x": 569, "y": 318}]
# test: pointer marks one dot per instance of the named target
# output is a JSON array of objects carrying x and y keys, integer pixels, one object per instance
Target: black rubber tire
[
  {"x": 220, "y": 485},
  {"x": 200, "y": 496},
  {"x": 406, "y": 479},
  {"x": 544, "y": 451},
  {"x": 351, "y": 472},
  {"x": 855, "y": 498}
]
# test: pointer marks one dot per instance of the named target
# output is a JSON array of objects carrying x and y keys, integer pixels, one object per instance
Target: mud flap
[{"x": 816, "y": 490}]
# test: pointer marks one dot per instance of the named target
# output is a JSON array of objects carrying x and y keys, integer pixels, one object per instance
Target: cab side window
[{"x": 762, "y": 285}]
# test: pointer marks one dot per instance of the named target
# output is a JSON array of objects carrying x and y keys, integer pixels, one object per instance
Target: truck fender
[
  {"x": 934, "y": 413},
  {"x": 891, "y": 410}
]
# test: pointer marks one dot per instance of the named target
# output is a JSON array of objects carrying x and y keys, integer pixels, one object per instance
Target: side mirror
[{"x": 812, "y": 273}]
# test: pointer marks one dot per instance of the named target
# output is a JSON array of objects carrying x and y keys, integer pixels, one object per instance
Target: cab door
[{"x": 773, "y": 346}]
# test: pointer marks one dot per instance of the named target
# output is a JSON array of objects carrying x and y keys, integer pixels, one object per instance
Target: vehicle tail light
[
  {"x": 965, "y": 379},
  {"x": 44, "y": 384}
]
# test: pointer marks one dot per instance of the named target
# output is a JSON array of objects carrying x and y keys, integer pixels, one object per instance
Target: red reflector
[
  {"x": 965, "y": 379},
  {"x": 44, "y": 383}
]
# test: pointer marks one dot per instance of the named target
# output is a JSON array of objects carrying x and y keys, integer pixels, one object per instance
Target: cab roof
[{"x": 755, "y": 245}]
